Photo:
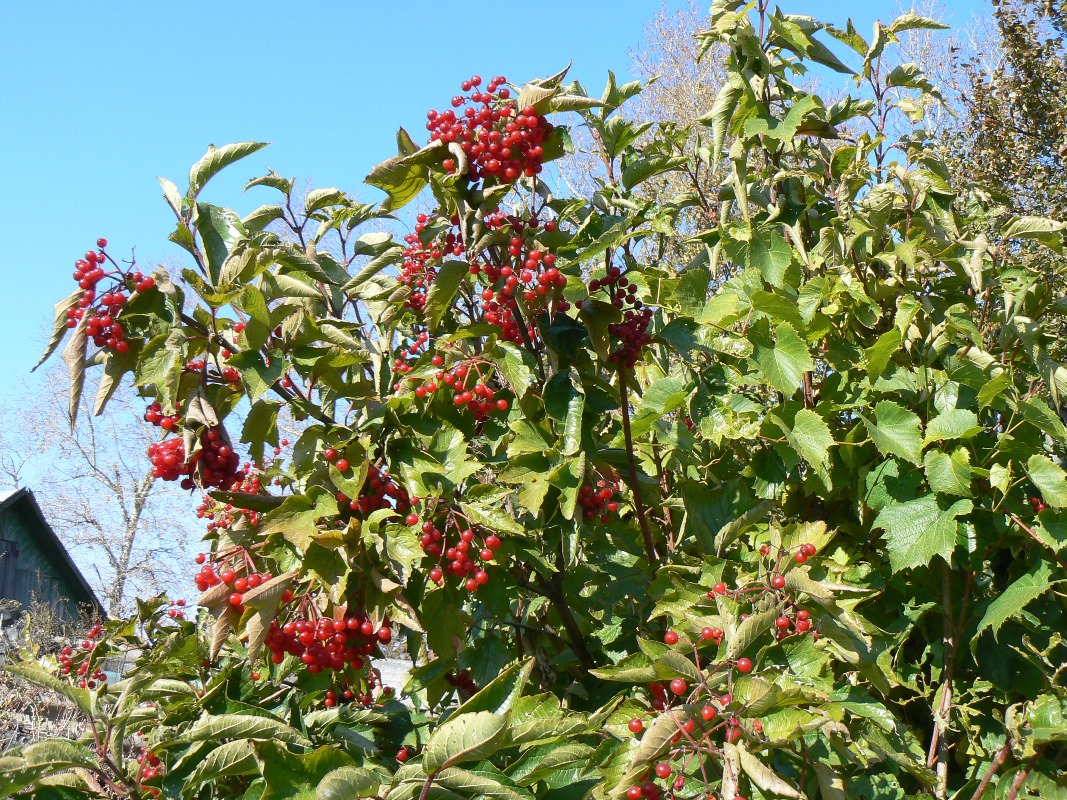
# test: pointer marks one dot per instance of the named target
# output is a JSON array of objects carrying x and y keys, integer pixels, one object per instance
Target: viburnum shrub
[{"x": 786, "y": 520}]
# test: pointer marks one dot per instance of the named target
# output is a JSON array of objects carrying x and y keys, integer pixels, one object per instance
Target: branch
[{"x": 639, "y": 505}]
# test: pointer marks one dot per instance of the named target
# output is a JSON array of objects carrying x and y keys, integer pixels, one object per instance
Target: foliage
[{"x": 797, "y": 537}]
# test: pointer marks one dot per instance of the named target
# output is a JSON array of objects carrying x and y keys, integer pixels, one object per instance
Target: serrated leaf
[
  {"x": 949, "y": 473},
  {"x": 1049, "y": 479},
  {"x": 229, "y": 758},
  {"x": 241, "y": 726},
  {"x": 1013, "y": 600},
  {"x": 895, "y": 431},
  {"x": 811, "y": 438},
  {"x": 876, "y": 357},
  {"x": 956, "y": 423},
  {"x": 785, "y": 363},
  {"x": 918, "y": 530}
]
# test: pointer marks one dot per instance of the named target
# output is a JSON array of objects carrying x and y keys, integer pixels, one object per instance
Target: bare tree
[{"x": 95, "y": 486}]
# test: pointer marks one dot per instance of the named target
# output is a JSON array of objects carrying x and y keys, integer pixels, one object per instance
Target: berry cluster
[
  {"x": 704, "y": 717},
  {"x": 499, "y": 140},
  {"x": 150, "y": 767},
  {"x": 168, "y": 460},
  {"x": 154, "y": 415},
  {"x": 470, "y": 386},
  {"x": 529, "y": 272},
  {"x": 326, "y": 644},
  {"x": 466, "y": 557},
  {"x": 599, "y": 502},
  {"x": 463, "y": 682},
  {"x": 103, "y": 326},
  {"x": 632, "y": 331},
  {"x": 401, "y": 365},
  {"x": 176, "y": 609},
  {"x": 379, "y": 491},
  {"x": 78, "y": 660},
  {"x": 223, "y": 516},
  {"x": 235, "y": 569},
  {"x": 1037, "y": 504}
]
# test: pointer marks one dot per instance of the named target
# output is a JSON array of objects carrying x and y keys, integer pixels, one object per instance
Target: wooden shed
[{"x": 34, "y": 564}]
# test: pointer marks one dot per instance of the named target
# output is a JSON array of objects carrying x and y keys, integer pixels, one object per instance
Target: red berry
[
  {"x": 679, "y": 686},
  {"x": 101, "y": 242},
  {"x": 808, "y": 549},
  {"x": 670, "y": 637},
  {"x": 329, "y": 454},
  {"x": 402, "y": 755},
  {"x": 778, "y": 581},
  {"x": 719, "y": 588},
  {"x": 663, "y": 770},
  {"x": 636, "y": 725},
  {"x": 634, "y": 793},
  {"x": 744, "y": 665},
  {"x": 342, "y": 465},
  {"x": 708, "y": 713}
]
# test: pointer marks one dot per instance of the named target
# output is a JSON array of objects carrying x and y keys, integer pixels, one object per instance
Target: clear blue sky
[{"x": 100, "y": 98}]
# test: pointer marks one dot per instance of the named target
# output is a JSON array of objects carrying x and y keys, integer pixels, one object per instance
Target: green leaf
[
  {"x": 1046, "y": 231},
  {"x": 565, "y": 403},
  {"x": 59, "y": 325},
  {"x": 1014, "y": 599},
  {"x": 500, "y": 694},
  {"x": 957, "y": 423},
  {"x": 811, "y": 438},
  {"x": 46, "y": 680},
  {"x": 785, "y": 363},
  {"x": 663, "y": 397},
  {"x": 229, "y": 758},
  {"x": 482, "y": 781},
  {"x": 722, "y": 111},
  {"x": 402, "y": 178},
  {"x": 74, "y": 358},
  {"x": 467, "y": 737},
  {"x": 241, "y": 726},
  {"x": 876, "y": 357},
  {"x": 443, "y": 289},
  {"x": 1049, "y": 479},
  {"x": 347, "y": 782},
  {"x": 1047, "y": 716},
  {"x": 771, "y": 254},
  {"x": 215, "y": 160},
  {"x": 949, "y": 473},
  {"x": 289, "y": 776},
  {"x": 896, "y": 431},
  {"x": 920, "y": 529},
  {"x": 763, "y": 776}
]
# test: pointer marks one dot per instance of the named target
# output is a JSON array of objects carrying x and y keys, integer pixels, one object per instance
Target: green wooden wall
[{"x": 30, "y": 566}]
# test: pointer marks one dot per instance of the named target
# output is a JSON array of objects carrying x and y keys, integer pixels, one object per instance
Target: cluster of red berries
[
  {"x": 463, "y": 682},
  {"x": 225, "y": 375},
  {"x": 1037, "y": 504},
  {"x": 715, "y": 715},
  {"x": 232, "y": 563},
  {"x": 632, "y": 331},
  {"x": 327, "y": 644},
  {"x": 528, "y": 271},
  {"x": 469, "y": 386},
  {"x": 379, "y": 491},
  {"x": 223, "y": 516},
  {"x": 402, "y": 365},
  {"x": 599, "y": 501},
  {"x": 500, "y": 140},
  {"x": 465, "y": 559},
  {"x": 176, "y": 609},
  {"x": 168, "y": 461},
  {"x": 219, "y": 463},
  {"x": 418, "y": 269},
  {"x": 77, "y": 660},
  {"x": 334, "y": 696},
  {"x": 150, "y": 767},
  {"x": 154, "y": 415}
]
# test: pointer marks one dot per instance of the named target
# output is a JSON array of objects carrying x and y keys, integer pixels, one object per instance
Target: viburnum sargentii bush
[{"x": 785, "y": 521}]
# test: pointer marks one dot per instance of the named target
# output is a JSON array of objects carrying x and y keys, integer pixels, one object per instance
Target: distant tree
[
  {"x": 1014, "y": 138},
  {"x": 95, "y": 487}
]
